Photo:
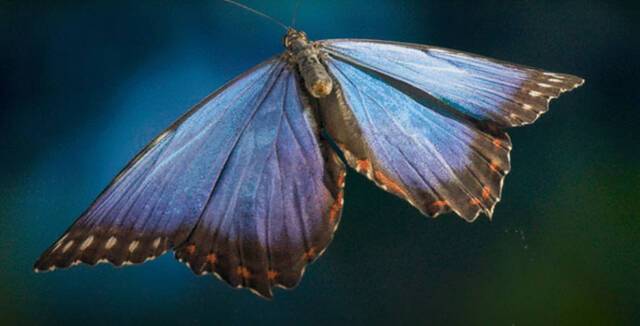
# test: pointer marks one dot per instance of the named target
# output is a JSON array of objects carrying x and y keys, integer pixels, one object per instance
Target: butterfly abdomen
[{"x": 307, "y": 57}]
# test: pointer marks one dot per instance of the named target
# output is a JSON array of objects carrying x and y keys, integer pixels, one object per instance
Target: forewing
[
  {"x": 155, "y": 202},
  {"x": 413, "y": 148},
  {"x": 241, "y": 184},
  {"x": 277, "y": 201},
  {"x": 485, "y": 89}
]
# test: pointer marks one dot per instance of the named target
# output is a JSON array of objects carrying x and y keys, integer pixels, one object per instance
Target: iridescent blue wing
[
  {"x": 241, "y": 185},
  {"x": 278, "y": 202},
  {"x": 485, "y": 89},
  {"x": 412, "y": 146}
]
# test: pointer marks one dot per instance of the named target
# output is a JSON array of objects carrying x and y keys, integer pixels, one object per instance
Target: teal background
[{"x": 85, "y": 84}]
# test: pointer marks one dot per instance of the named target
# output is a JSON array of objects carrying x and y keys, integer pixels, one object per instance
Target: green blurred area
[{"x": 83, "y": 86}]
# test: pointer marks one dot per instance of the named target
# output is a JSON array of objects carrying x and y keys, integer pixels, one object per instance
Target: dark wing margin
[
  {"x": 241, "y": 184},
  {"x": 505, "y": 94},
  {"x": 412, "y": 146}
]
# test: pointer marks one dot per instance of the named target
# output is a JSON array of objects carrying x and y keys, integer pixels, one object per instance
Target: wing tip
[{"x": 92, "y": 250}]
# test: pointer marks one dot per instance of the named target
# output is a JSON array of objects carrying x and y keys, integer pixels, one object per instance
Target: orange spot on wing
[
  {"x": 391, "y": 185},
  {"x": 486, "y": 192},
  {"x": 335, "y": 208},
  {"x": 341, "y": 180},
  {"x": 271, "y": 275},
  {"x": 363, "y": 166},
  {"x": 190, "y": 249},
  {"x": 243, "y": 272},
  {"x": 212, "y": 258},
  {"x": 310, "y": 254},
  {"x": 497, "y": 143},
  {"x": 439, "y": 203},
  {"x": 474, "y": 201},
  {"x": 494, "y": 167}
]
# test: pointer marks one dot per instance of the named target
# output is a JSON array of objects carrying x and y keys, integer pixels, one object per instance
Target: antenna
[
  {"x": 245, "y": 7},
  {"x": 295, "y": 13}
]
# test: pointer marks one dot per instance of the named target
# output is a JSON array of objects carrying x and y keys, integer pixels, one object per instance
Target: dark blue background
[{"x": 84, "y": 85}]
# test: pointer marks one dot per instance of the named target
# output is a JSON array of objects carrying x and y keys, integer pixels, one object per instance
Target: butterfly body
[
  {"x": 423, "y": 123},
  {"x": 306, "y": 56}
]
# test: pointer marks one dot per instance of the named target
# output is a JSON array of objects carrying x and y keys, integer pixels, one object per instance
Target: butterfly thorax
[{"x": 306, "y": 56}]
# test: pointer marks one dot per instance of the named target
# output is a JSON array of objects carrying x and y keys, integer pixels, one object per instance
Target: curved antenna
[
  {"x": 245, "y": 7},
  {"x": 295, "y": 13}
]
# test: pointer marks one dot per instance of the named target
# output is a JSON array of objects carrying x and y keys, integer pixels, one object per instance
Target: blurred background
[{"x": 84, "y": 85}]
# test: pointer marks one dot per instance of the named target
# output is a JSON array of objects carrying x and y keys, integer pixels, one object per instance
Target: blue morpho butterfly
[{"x": 247, "y": 186}]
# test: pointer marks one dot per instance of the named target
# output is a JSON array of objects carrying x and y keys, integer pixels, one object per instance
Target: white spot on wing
[
  {"x": 553, "y": 75},
  {"x": 86, "y": 243},
  {"x": 535, "y": 93},
  {"x": 110, "y": 243},
  {"x": 156, "y": 242},
  {"x": 67, "y": 246},
  {"x": 133, "y": 245},
  {"x": 60, "y": 242}
]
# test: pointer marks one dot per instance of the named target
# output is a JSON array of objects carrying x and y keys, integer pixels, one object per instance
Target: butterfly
[{"x": 248, "y": 184}]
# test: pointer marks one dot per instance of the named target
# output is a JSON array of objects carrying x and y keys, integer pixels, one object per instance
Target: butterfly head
[{"x": 295, "y": 39}]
